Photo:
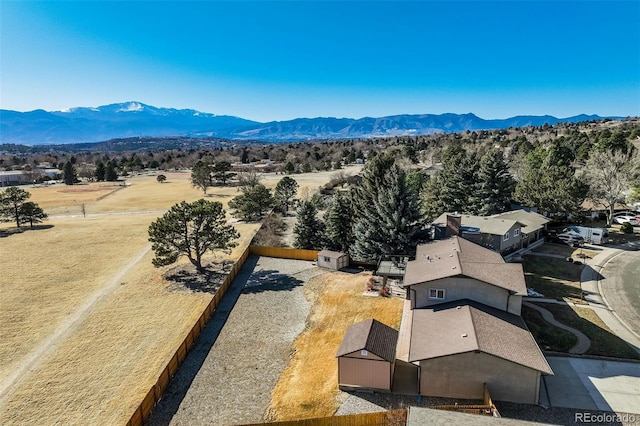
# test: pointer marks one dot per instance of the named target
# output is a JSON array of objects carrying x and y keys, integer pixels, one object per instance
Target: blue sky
[{"x": 280, "y": 60}]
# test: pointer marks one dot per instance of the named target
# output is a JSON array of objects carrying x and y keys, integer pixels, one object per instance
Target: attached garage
[
  {"x": 333, "y": 260},
  {"x": 366, "y": 356}
]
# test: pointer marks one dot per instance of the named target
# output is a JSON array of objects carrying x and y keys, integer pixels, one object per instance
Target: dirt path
[{"x": 65, "y": 328}]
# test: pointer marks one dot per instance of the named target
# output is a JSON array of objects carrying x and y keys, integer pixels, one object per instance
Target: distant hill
[{"x": 135, "y": 119}]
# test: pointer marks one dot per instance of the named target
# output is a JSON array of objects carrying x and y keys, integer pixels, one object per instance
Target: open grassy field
[
  {"x": 86, "y": 322},
  {"x": 308, "y": 387}
]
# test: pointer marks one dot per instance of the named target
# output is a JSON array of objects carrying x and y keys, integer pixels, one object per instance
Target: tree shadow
[
  {"x": 11, "y": 231},
  {"x": 207, "y": 281},
  {"x": 270, "y": 280}
]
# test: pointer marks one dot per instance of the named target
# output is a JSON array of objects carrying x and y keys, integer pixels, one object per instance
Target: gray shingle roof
[
  {"x": 371, "y": 335},
  {"x": 472, "y": 326},
  {"x": 486, "y": 224}
]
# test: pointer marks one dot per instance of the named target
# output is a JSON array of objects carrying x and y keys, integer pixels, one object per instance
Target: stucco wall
[
  {"x": 463, "y": 376},
  {"x": 365, "y": 373},
  {"x": 457, "y": 288}
]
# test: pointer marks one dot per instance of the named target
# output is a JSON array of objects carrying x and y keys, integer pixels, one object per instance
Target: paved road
[{"x": 621, "y": 287}]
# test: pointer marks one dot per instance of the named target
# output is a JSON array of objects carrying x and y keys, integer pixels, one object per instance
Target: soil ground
[{"x": 86, "y": 322}]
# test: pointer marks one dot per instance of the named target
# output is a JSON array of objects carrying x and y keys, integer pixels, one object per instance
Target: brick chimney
[{"x": 453, "y": 225}]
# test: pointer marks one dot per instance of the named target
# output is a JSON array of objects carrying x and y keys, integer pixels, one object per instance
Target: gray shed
[
  {"x": 333, "y": 260},
  {"x": 366, "y": 356}
]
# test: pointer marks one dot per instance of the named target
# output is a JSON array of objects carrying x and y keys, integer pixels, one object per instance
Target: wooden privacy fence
[
  {"x": 155, "y": 393},
  {"x": 284, "y": 252},
  {"x": 488, "y": 408},
  {"x": 381, "y": 418}
]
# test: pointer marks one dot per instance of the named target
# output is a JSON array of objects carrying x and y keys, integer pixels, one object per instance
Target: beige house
[
  {"x": 366, "y": 357},
  {"x": 461, "y": 328},
  {"x": 456, "y": 269}
]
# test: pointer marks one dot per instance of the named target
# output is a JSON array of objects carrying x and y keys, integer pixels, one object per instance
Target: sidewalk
[{"x": 591, "y": 275}]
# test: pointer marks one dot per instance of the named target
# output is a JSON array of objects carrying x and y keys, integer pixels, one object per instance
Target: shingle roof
[
  {"x": 531, "y": 221},
  {"x": 457, "y": 256},
  {"x": 371, "y": 335},
  {"x": 486, "y": 224},
  {"x": 472, "y": 326}
]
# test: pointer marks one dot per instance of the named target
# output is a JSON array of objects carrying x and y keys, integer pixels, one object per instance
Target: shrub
[{"x": 627, "y": 228}]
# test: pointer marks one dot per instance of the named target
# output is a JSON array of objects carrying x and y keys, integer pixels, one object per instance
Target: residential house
[
  {"x": 503, "y": 233},
  {"x": 461, "y": 326}
]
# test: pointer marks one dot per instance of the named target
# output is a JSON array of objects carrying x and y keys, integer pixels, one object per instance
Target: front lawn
[
  {"x": 555, "y": 278},
  {"x": 548, "y": 337}
]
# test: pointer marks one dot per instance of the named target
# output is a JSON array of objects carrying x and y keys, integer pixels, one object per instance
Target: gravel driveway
[{"x": 229, "y": 374}]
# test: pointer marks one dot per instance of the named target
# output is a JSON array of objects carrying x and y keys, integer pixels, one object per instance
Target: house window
[
  {"x": 364, "y": 352},
  {"x": 326, "y": 259},
  {"x": 505, "y": 237},
  {"x": 516, "y": 232},
  {"x": 436, "y": 293}
]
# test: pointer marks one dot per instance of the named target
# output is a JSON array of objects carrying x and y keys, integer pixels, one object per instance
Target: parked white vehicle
[
  {"x": 590, "y": 235},
  {"x": 571, "y": 238},
  {"x": 626, "y": 217}
]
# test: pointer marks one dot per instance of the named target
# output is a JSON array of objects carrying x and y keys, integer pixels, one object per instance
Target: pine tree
[
  {"x": 11, "y": 202},
  {"x": 69, "y": 174},
  {"x": 308, "y": 231},
  {"x": 100, "y": 171},
  {"x": 32, "y": 213},
  {"x": 495, "y": 185},
  {"x": 338, "y": 223},
  {"x": 111, "y": 174},
  {"x": 387, "y": 212},
  {"x": 286, "y": 190}
]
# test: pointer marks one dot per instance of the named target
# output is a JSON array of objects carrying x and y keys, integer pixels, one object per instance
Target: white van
[{"x": 591, "y": 235}]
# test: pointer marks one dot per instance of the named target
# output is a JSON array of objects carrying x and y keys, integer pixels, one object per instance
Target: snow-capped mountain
[{"x": 132, "y": 119}]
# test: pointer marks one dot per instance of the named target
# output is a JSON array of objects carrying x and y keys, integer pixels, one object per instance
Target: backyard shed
[
  {"x": 366, "y": 356},
  {"x": 333, "y": 260}
]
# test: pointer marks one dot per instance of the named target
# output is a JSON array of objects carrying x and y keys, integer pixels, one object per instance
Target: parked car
[{"x": 626, "y": 217}]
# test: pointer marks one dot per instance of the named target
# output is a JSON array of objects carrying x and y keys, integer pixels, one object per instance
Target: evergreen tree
[
  {"x": 221, "y": 173},
  {"x": 69, "y": 174},
  {"x": 286, "y": 190},
  {"x": 452, "y": 190},
  {"x": 191, "y": 229},
  {"x": 387, "y": 212},
  {"x": 110, "y": 174},
  {"x": 11, "y": 203},
  {"x": 495, "y": 185},
  {"x": 338, "y": 223},
  {"x": 251, "y": 204},
  {"x": 100, "y": 172},
  {"x": 32, "y": 213},
  {"x": 549, "y": 182},
  {"x": 308, "y": 230}
]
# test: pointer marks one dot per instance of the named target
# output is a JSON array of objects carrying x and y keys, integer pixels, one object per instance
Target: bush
[{"x": 627, "y": 228}]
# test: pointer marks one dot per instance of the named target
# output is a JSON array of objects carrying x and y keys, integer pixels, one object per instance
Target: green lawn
[
  {"x": 603, "y": 341},
  {"x": 555, "y": 278},
  {"x": 549, "y": 337}
]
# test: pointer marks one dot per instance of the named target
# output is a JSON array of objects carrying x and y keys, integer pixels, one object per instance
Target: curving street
[{"x": 621, "y": 287}]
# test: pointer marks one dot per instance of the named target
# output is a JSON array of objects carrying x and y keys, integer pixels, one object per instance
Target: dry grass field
[
  {"x": 86, "y": 322},
  {"x": 308, "y": 387}
]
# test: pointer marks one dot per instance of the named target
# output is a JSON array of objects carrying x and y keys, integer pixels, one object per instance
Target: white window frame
[
  {"x": 516, "y": 232},
  {"x": 505, "y": 237},
  {"x": 435, "y": 292}
]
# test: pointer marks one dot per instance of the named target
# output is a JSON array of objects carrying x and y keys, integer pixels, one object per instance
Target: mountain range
[{"x": 135, "y": 119}]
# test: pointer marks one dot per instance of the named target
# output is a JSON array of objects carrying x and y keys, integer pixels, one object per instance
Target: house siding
[
  {"x": 364, "y": 373},
  {"x": 457, "y": 288},
  {"x": 464, "y": 376}
]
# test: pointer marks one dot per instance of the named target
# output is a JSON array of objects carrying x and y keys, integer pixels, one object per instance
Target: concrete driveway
[{"x": 593, "y": 384}]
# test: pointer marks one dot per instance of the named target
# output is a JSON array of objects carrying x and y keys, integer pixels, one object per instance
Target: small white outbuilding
[{"x": 333, "y": 260}]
